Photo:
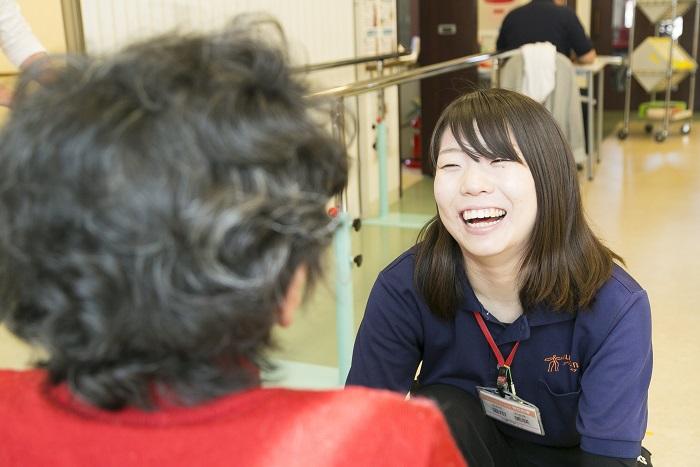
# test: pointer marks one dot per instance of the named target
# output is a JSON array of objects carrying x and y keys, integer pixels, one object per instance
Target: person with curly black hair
[{"x": 161, "y": 210}]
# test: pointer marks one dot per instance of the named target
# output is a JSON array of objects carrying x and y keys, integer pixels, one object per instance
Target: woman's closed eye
[{"x": 499, "y": 161}]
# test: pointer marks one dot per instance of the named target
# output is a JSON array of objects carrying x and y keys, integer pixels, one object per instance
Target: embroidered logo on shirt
[{"x": 554, "y": 361}]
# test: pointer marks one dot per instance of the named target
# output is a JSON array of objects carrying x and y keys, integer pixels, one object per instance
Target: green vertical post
[
  {"x": 343, "y": 290},
  {"x": 342, "y": 245},
  {"x": 380, "y": 145}
]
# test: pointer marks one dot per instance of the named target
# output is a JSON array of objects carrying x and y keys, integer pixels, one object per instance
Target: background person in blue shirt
[
  {"x": 546, "y": 21},
  {"x": 510, "y": 244}
]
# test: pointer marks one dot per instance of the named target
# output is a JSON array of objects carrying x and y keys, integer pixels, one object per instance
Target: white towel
[{"x": 539, "y": 66}]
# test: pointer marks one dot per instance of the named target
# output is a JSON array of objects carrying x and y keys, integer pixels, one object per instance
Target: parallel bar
[
  {"x": 448, "y": 66},
  {"x": 400, "y": 220},
  {"x": 348, "y": 62}
]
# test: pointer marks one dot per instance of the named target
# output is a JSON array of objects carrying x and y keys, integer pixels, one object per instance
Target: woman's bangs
[{"x": 481, "y": 131}]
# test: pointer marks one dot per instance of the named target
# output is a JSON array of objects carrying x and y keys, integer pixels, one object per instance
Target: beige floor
[{"x": 645, "y": 202}]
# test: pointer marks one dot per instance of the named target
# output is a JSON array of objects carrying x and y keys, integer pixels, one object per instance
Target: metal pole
[
  {"x": 496, "y": 72},
  {"x": 628, "y": 74},
  {"x": 338, "y": 132},
  {"x": 381, "y": 148},
  {"x": 73, "y": 26},
  {"x": 600, "y": 109},
  {"x": 348, "y": 62},
  {"x": 691, "y": 104},
  {"x": 427, "y": 71},
  {"x": 342, "y": 244},
  {"x": 343, "y": 294},
  {"x": 382, "y": 162},
  {"x": 589, "y": 137},
  {"x": 669, "y": 75},
  {"x": 358, "y": 162}
]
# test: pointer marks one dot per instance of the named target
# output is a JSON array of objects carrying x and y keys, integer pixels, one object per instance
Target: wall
[
  {"x": 491, "y": 14},
  {"x": 46, "y": 20},
  {"x": 318, "y": 31},
  {"x": 321, "y": 29},
  {"x": 376, "y": 33},
  {"x": 583, "y": 11}
]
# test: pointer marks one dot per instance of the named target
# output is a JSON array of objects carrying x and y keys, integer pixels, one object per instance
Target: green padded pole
[{"x": 343, "y": 291}]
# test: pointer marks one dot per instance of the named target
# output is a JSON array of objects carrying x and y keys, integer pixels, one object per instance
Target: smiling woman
[
  {"x": 487, "y": 206},
  {"x": 508, "y": 284},
  {"x": 513, "y": 145}
]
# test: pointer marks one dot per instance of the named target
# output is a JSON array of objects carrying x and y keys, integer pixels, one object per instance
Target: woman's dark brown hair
[{"x": 564, "y": 264}]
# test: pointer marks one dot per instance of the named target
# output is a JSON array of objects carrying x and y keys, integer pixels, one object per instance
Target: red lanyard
[{"x": 504, "y": 380}]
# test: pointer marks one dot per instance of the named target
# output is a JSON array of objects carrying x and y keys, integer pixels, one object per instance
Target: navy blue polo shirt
[
  {"x": 587, "y": 372},
  {"x": 543, "y": 21}
]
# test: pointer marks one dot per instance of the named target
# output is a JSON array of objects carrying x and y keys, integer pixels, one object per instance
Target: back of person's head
[
  {"x": 154, "y": 207},
  {"x": 564, "y": 263}
]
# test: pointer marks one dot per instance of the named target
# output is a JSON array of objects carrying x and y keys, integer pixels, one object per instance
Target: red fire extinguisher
[{"x": 415, "y": 123}]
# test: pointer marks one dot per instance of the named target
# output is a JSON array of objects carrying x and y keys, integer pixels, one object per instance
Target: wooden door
[{"x": 447, "y": 30}]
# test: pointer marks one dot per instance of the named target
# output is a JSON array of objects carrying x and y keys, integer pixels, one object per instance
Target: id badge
[{"x": 511, "y": 410}]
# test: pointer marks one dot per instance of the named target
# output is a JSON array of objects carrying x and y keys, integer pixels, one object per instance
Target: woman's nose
[{"x": 475, "y": 180}]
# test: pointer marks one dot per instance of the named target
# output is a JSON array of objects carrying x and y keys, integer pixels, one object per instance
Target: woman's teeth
[{"x": 483, "y": 217}]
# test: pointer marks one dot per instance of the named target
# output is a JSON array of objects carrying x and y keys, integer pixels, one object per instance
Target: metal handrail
[
  {"x": 361, "y": 87},
  {"x": 349, "y": 61},
  {"x": 399, "y": 57}
]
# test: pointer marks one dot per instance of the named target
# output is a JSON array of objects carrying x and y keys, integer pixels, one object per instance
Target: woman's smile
[
  {"x": 489, "y": 206},
  {"x": 483, "y": 218}
]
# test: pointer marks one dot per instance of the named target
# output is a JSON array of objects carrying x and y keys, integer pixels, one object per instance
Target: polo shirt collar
[
  {"x": 470, "y": 303},
  {"x": 519, "y": 330},
  {"x": 540, "y": 315}
]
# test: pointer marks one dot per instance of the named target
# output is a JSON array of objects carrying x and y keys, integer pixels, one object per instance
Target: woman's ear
[{"x": 293, "y": 296}]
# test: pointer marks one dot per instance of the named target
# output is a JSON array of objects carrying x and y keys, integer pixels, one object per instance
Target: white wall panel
[
  {"x": 322, "y": 29},
  {"x": 317, "y": 30}
]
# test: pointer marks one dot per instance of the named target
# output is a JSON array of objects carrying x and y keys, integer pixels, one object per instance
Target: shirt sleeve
[
  {"x": 612, "y": 414},
  {"x": 577, "y": 36},
  {"x": 501, "y": 42},
  {"x": 389, "y": 342},
  {"x": 16, "y": 38}
]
